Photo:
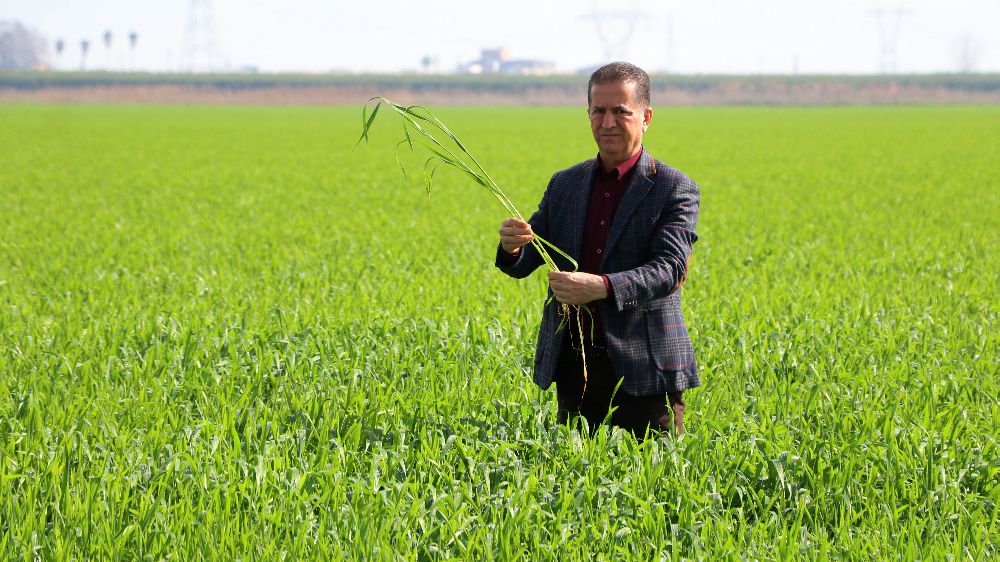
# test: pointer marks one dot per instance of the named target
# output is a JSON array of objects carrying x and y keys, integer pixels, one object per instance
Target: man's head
[
  {"x": 618, "y": 105},
  {"x": 621, "y": 72}
]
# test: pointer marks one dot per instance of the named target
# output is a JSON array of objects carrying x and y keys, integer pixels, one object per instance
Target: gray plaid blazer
[{"x": 645, "y": 259}]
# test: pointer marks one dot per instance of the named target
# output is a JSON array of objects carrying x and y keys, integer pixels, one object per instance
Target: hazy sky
[{"x": 685, "y": 36}]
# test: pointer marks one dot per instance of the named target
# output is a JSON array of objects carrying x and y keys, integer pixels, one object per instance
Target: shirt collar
[{"x": 623, "y": 168}]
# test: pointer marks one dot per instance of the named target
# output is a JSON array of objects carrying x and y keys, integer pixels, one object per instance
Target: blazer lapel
[
  {"x": 638, "y": 188},
  {"x": 578, "y": 209}
]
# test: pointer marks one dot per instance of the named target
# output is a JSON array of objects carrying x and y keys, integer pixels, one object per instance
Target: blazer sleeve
[
  {"x": 529, "y": 259},
  {"x": 669, "y": 251}
]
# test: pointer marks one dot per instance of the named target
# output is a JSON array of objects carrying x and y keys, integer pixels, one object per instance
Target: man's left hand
[{"x": 577, "y": 287}]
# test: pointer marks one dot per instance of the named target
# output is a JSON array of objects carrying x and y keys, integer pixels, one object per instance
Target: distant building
[
  {"x": 532, "y": 67},
  {"x": 497, "y": 61},
  {"x": 491, "y": 60}
]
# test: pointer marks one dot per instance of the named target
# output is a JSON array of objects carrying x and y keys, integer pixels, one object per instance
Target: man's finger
[{"x": 515, "y": 223}]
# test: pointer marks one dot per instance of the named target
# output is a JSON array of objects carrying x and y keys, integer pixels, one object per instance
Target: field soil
[{"x": 735, "y": 92}]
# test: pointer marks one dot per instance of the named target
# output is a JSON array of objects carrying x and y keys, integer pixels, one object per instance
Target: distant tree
[
  {"x": 107, "y": 50},
  {"x": 21, "y": 47},
  {"x": 60, "y": 47},
  {"x": 133, "y": 38},
  {"x": 84, "y": 48}
]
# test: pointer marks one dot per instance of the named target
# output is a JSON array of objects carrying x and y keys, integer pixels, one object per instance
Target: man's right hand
[{"x": 515, "y": 233}]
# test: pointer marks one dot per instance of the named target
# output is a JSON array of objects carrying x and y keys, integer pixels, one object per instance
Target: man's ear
[{"x": 647, "y": 116}]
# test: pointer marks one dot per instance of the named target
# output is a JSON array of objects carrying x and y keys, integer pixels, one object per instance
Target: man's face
[{"x": 617, "y": 121}]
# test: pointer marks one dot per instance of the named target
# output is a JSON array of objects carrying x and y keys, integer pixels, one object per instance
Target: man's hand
[
  {"x": 515, "y": 233},
  {"x": 577, "y": 287}
]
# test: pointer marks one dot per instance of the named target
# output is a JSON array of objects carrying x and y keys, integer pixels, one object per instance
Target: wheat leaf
[
  {"x": 400, "y": 160},
  {"x": 367, "y": 123},
  {"x": 423, "y": 122},
  {"x": 429, "y": 180}
]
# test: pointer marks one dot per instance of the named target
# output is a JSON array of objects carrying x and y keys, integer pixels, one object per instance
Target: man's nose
[{"x": 609, "y": 121}]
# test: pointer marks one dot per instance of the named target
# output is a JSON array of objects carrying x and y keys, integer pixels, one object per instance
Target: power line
[
  {"x": 615, "y": 28},
  {"x": 200, "y": 52},
  {"x": 889, "y": 22}
]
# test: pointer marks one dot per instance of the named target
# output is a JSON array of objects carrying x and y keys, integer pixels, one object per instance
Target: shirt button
[
  {"x": 602, "y": 223},
  {"x": 607, "y": 195},
  {"x": 599, "y": 250}
]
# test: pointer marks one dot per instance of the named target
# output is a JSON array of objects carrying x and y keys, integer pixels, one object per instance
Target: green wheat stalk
[{"x": 419, "y": 128}]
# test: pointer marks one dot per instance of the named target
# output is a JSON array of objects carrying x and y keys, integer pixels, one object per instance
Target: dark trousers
[{"x": 659, "y": 413}]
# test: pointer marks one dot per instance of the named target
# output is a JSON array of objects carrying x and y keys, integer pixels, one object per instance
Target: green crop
[{"x": 227, "y": 333}]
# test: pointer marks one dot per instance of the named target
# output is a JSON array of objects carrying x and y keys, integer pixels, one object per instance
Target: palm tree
[{"x": 84, "y": 47}]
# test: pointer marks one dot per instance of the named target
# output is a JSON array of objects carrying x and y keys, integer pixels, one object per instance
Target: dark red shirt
[{"x": 606, "y": 196}]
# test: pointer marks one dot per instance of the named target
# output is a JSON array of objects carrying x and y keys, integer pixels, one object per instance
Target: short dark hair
[{"x": 622, "y": 72}]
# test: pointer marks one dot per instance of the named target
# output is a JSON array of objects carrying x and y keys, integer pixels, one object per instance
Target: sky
[{"x": 678, "y": 36}]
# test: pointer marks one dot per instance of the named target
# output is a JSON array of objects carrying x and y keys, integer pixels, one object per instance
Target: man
[{"x": 629, "y": 221}]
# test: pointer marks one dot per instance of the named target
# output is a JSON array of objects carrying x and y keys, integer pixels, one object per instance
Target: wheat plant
[{"x": 419, "y": 125}]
